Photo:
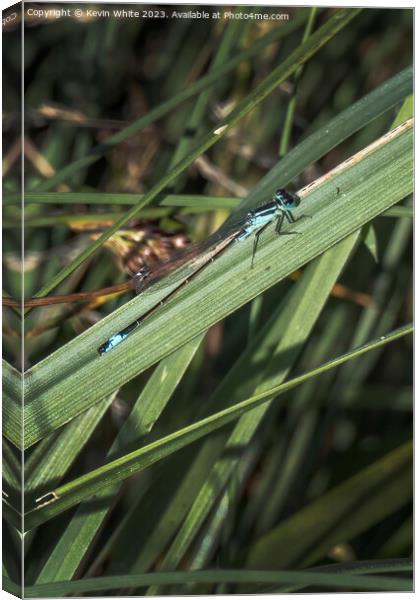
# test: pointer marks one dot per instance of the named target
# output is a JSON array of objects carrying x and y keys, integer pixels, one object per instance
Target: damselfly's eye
[
  {"x": 142, "y": 273},
  {"x": 286, "y": 198}
]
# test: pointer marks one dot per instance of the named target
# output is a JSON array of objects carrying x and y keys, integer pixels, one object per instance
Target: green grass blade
[
  {"x": 364, "y": 567},
  {"x": 11, "y": 587},
  {"x": 369, "y": 496},
  {"x": 72, "y": 493},
  {"x": 46, "y": 465},
  {"x": 196, "y": 119},
  {"x": 399, "y": 211},
  {"x": 288, "y": 123},
  {"x": 334, "y": 132},
  {"x": 307, "y": 578},
  {"x": 12, "y": 470},
  {"x": 187, "y": 200},
  {"x": 12, "y": 413}
]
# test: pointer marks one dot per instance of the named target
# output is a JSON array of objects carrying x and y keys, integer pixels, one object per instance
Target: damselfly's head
[
  {"x": 286, "y": 199},
  {"x": 139, "y": 278}
]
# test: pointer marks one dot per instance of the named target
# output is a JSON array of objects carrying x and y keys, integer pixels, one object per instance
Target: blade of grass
[
  {"x": 288, "y": 452},
  {"x": 12, "y": 471},
  {"x": 403, "y": 565},
  {"x": 185, "y": 200},
  {"x": 399, "y": 211},
  {"x": 338, "y": 129},
  {"x": 12, "y": 414},
  {"x": 73, "y": 492},
  {"x": 400, "y": 541},
  {"x": 369, "y": 496},
  {"x": 12, "y": 588},
  {"x": 287, "y": 128},
  {"x": 307, "y": 578},
  {"x": 196, "y": 124},
  {"x": 46, "y": 466}
]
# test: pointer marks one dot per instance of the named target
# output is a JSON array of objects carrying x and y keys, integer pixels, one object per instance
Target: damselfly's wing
[
  {"x": 190, "y": 259},
  {"x": 145, "y": 277}
]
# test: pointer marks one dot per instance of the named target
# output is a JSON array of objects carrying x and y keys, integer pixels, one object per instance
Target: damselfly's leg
[
  {"x": 256, "y": 238},
  {"x": 280, "y": 220},
  {"x": 291, "y": 219}
]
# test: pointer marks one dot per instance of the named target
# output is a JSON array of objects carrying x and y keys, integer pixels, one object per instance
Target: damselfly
[{"x": 199, "y": 256}]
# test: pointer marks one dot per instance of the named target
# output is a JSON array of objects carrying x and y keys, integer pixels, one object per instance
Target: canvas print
[{"x": 207, "y": 299}]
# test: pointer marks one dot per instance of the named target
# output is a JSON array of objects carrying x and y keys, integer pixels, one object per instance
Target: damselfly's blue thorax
[{"x": 279, "y": 208}]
